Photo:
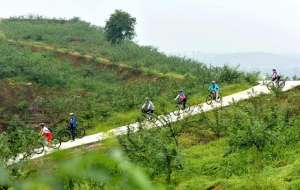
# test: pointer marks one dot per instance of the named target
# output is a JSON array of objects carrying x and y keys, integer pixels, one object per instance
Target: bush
[
  {"x": 18, "y": 139},
  {"x": 155, "y": 149},
  {"x": 262, "y": 126}
]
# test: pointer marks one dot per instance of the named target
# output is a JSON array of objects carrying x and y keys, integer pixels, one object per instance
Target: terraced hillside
[
  {"x": 85, "y": 38},
  {"x": 52, "y": 67}
]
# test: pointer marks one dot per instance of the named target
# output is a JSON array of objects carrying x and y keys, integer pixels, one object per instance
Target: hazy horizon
[
  {"x": 286, "y": 64},
  {"x": 212, "y": 26}
]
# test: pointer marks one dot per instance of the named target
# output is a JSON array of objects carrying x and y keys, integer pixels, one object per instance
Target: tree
[
  {"x": 119, "y": 27},
  {"x": 155, "y": 149}
]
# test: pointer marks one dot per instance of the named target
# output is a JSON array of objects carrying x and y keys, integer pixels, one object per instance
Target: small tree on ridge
[{"x": 119, "y": 27}]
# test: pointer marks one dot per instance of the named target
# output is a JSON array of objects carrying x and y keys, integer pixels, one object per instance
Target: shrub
[
  {"x": 155, "y": 149},
  {"x": 262, "y": 126},
  {"x": 18, "y": 139}
]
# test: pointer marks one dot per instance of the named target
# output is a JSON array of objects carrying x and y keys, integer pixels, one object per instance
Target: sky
[{"x": 210, "y": 26}]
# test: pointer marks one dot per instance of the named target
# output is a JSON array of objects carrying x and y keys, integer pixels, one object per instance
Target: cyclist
[
  {"x": 148, "y": 106},
  {"x": 46, "y": 133},
  {"x": 73, "y": 125},
  {"x": 214, "y": 89},
  {"x": 181, "y": 98},
  {"x": 275, "y": 76}
]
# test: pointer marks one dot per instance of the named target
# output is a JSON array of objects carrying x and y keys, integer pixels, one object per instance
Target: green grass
[
  {"x": 205, "y": 163},
  {"x": 81, "y": 37},
  {"x": 108, "y": 80},
  {"x": 49, "y": 68},
  {"x": 207, "y": 167},
  {"x": 102, "y": 97}
]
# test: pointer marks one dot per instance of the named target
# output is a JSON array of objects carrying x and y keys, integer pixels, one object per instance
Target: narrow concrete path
[{"x": 171, "y": 117}]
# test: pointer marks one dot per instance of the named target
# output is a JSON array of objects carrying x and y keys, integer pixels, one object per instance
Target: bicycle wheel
[
  {"x": 158, "y": 122},
  {"x": 80, "y": 132},
  {"x": 178, "y": 109},
  {"x": 64, "y": 136},
  {"x": 270, "y": 85},
  {"x": 56, "y": 143},
  {"x": 281, "y": 84},
  {"x": 209, "y": 99},
  {"x": 264, "y": 82},
  {"x": 219, "y": 99},
  {"x": 187, "y": 108},
  {"x": 40, "y": 149}
]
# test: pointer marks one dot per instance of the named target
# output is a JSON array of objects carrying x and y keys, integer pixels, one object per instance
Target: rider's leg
[
  {"x": 214, "y": 95},
  {"x": 149, "y": 114},
  {"x": 49, "y": 138},
  {"x": 73, "y": 132},
  {"x": 277, "y": 80},
  {"x": 217, "y": 95},
  {"x": 184, "y": 104}
]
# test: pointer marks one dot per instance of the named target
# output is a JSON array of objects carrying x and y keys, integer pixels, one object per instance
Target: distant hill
[{"x": 287, "y": 64}]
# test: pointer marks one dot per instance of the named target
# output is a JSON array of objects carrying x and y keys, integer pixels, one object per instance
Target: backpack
[
  {"x": 51, "y": 130},
  {"x": 183, "y": 97}
]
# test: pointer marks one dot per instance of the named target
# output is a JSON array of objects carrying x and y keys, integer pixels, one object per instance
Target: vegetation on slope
[
  {"x": 43, "y": 85},
  {"x": 251, "y": 145},
  {"x": 61, "y": 82},
  {"x": 85, "y": 38}
]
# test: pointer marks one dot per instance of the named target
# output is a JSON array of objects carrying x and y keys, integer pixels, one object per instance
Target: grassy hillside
[
  {"x": 39, "y": 52},
  {"x": 257, "y": 148},
  {"x": 248, "y": 149},
  {"x": 83, "y": 37},
  {"x": 50, "y": 67},
  {"x": 254, "y": 146}
]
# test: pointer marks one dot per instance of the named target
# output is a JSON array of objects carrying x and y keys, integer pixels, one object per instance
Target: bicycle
[
  {"x": 149, "y": 116},
  {"x": 179, "y": 108},
  {"x": 39, "y": 148},
  {"x": 276, "y": 84},
  {"x": 66, "y": 135},
  {"x": 265, "y": 82},
  {"x": 212, "y": 97}
]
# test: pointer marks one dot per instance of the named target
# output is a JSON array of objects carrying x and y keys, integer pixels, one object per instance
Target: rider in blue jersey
[
  {"x": 214, "y": 89},
  {"x": 73, "y": 125}
]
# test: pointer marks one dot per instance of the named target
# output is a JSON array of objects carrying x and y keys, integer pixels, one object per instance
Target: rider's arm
[
  {"x": 144, "y": 106},
  {"x": 210, "y": 88},
  {"x": 177, "y": 97}
]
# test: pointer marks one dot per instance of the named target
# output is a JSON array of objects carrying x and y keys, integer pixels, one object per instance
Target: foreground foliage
[
  {"x": 92, "y": 171},
  {"x": 222, "y": 149}
]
